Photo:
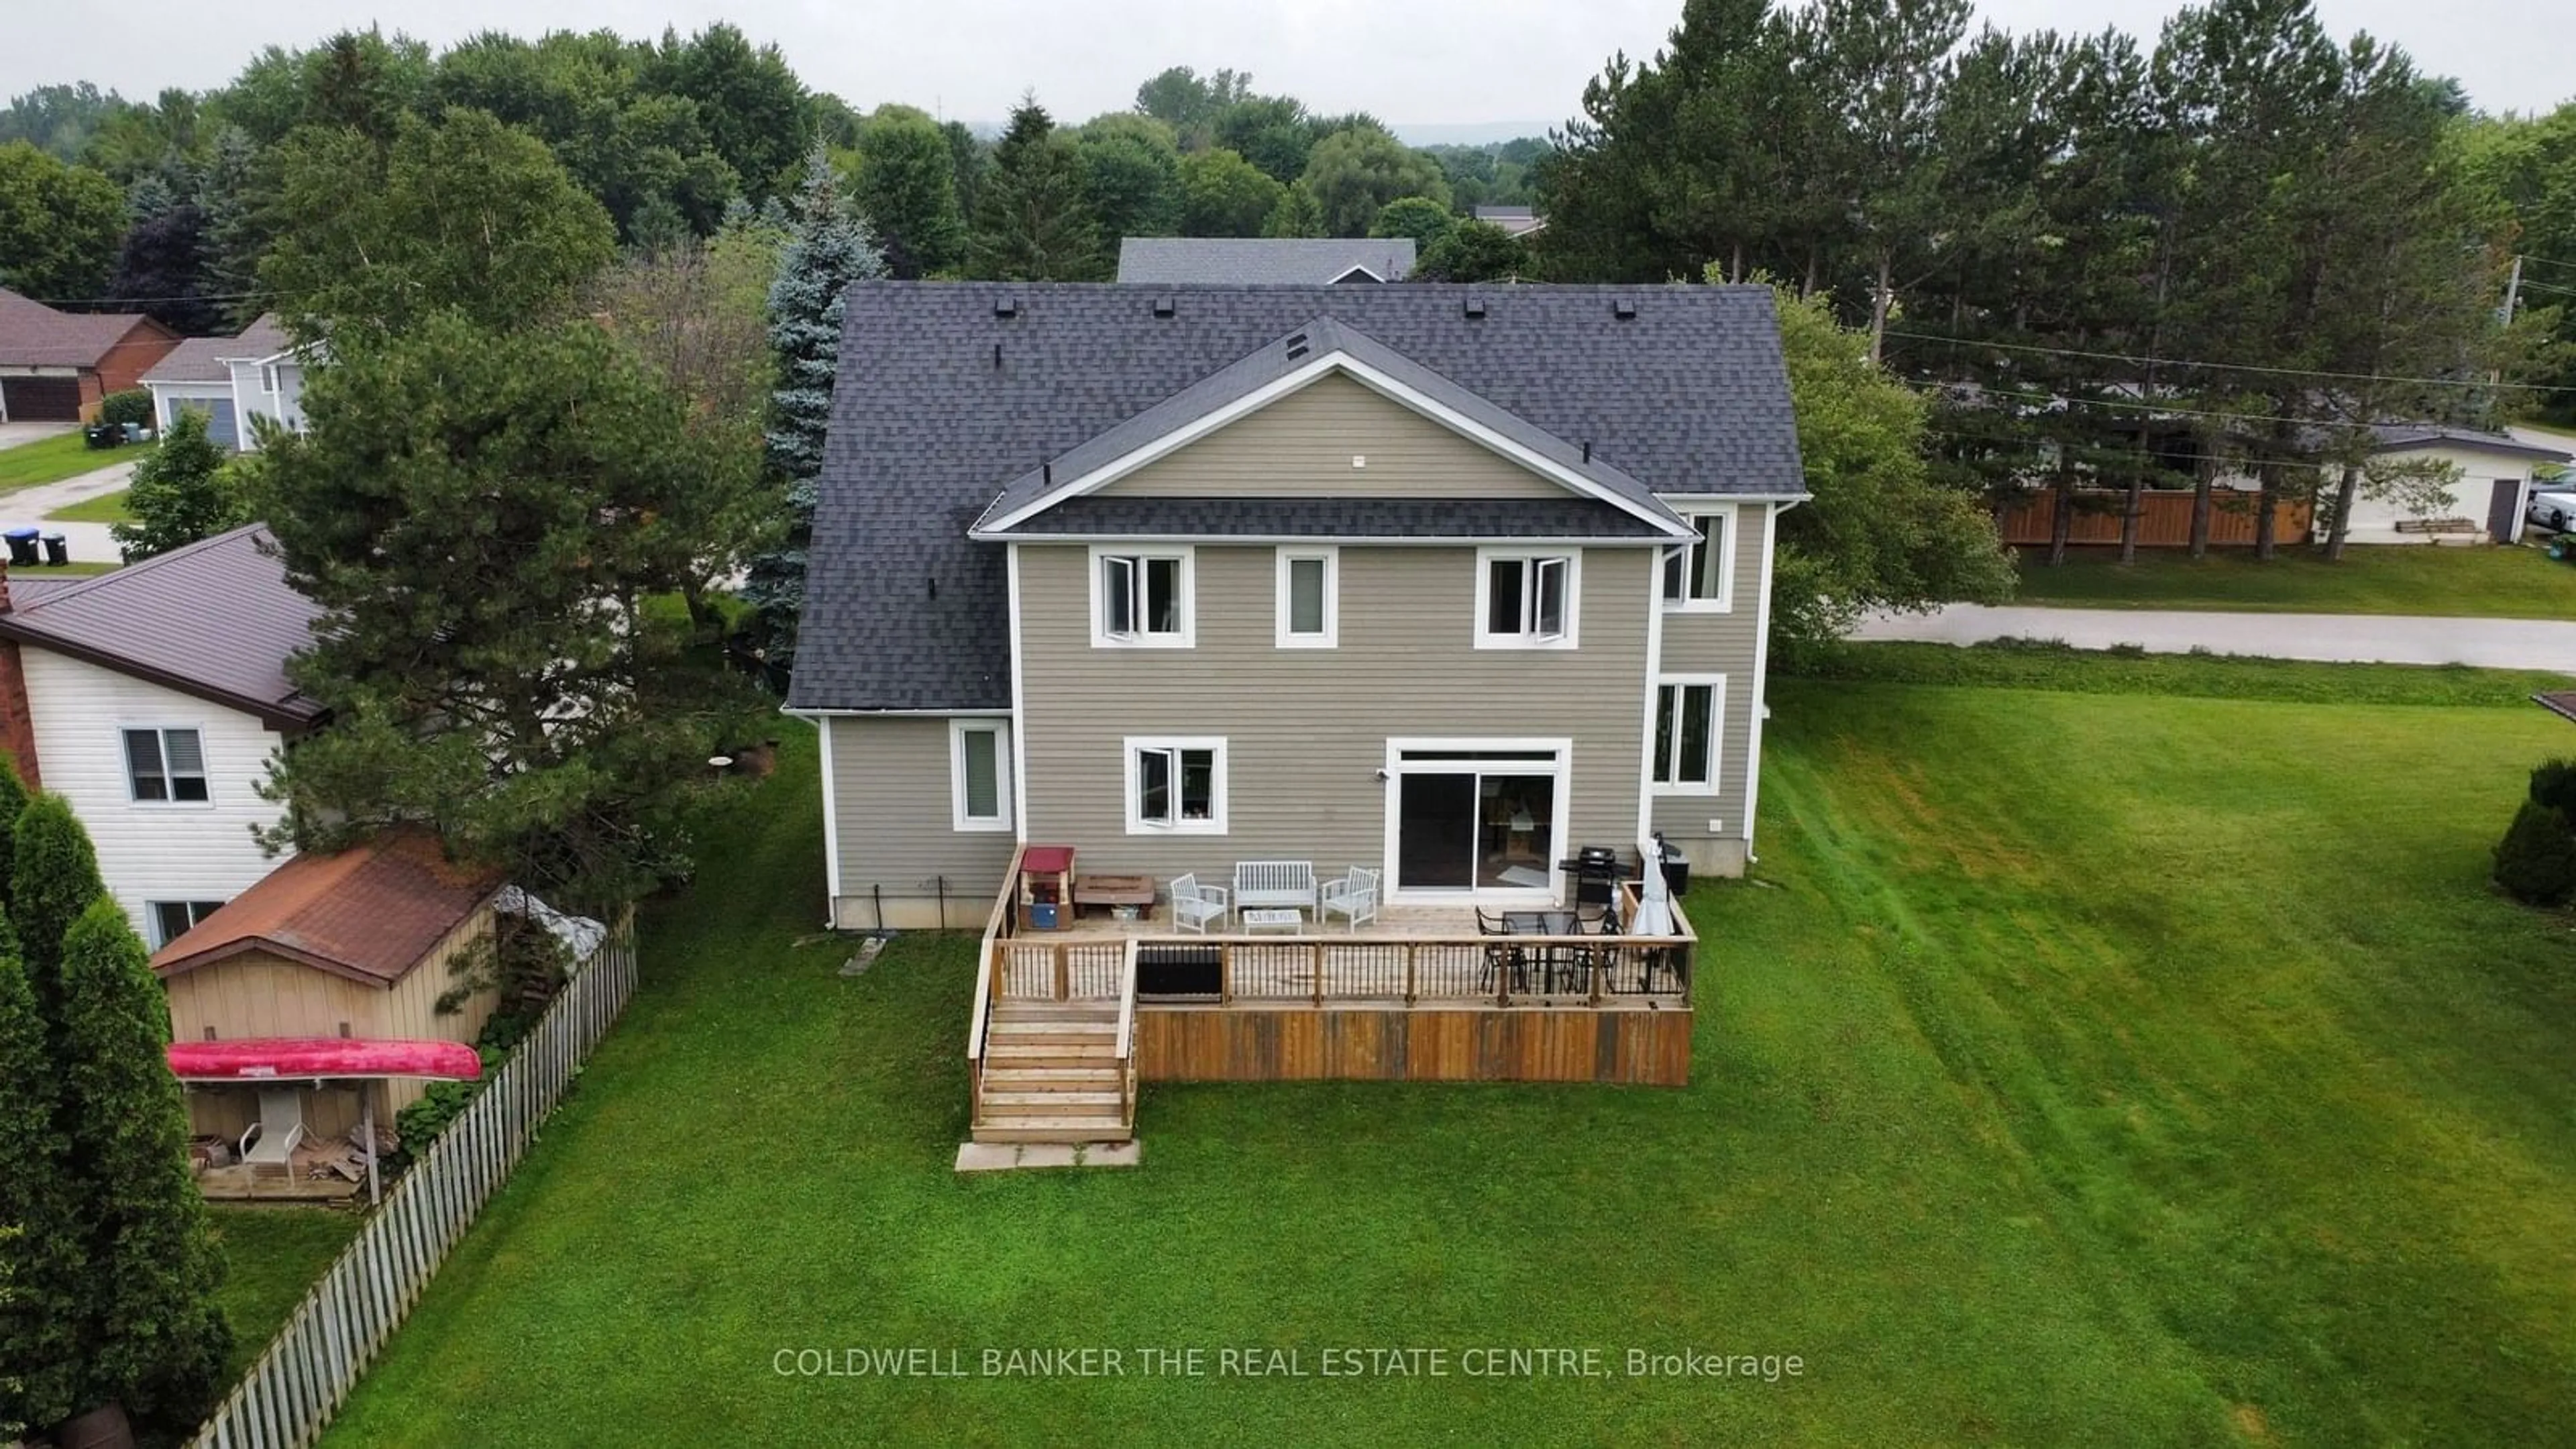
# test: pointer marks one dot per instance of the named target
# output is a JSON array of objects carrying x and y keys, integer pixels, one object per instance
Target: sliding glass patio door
[{"x": 1476, "y": 820}]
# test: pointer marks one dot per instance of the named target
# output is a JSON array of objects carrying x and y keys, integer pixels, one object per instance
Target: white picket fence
[{"x": 305, "y": 1374}]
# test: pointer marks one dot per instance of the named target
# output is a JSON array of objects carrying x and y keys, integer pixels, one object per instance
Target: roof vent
[
  {"x": 1625, "y": 309},
  {"x": 1475, "y": 304},
  {"x": 997, "y": 357},
  {"x": 1164, "y": 306},
  {"x": 1007, "y": 307},
  {"x": 1297, "y": 347}
]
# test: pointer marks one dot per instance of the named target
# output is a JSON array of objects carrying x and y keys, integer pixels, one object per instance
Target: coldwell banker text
[{"x": 1158, "y": 1361}]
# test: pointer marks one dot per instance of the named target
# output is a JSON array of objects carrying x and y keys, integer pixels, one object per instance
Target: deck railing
[{"x": 997, "y": 928}]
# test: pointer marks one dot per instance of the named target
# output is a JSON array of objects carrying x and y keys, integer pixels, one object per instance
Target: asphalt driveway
[{"x": 2334, "y": 638}]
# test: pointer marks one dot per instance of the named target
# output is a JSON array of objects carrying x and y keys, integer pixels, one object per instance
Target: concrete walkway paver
[{"x": 2334, "y": 638}]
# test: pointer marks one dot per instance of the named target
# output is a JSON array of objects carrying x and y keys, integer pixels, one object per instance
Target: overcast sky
[{"x": 1411, "y": 62}]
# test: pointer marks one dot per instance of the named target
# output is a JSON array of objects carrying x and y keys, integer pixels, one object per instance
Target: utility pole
[{"x": 2512, "y": 290}]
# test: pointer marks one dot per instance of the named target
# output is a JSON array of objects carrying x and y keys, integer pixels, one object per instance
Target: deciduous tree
[
  {"x": 1224, "y": 195},
  {"x": 59, "y": 225},
  {"x": 183, "y": 491},
  {"x": 1354, "y": 173},
  {"x": 905, "y": 185}
]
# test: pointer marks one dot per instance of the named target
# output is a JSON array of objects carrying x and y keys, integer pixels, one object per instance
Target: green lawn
[
  {"x": 273, "y": 1253},
  {"x": 106, "y": 508},
  {"x": 50, "y": 460},
  {"x": 2085, "y": 1067},
  {"x": 2497, "y": 583}
]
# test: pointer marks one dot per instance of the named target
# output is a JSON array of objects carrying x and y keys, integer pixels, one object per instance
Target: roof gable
[{"x": 949, "y": 391}]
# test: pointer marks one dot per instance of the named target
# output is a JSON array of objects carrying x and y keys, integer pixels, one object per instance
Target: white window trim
[
  {"x": 1187, "y": 638},
  {"x": 152, "y": 917},
  {"x": 1332, "y": 561},
  {"x": 1724, "y": 603},
  {"x": 1486, "y": 558},
  {"x": 1716, "y": 783},
  {"x": 1136, "y": 823},
  {"x": 125, "y": 765},
  {"x": 1002, "y": 819},
  {"x": 1561, "y": 821}
]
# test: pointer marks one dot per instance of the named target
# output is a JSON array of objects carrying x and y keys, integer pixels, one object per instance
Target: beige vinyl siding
[
  {"x": 256, "y": 994},
  {"x": 892, "y": 810},
  {"x": 1719, "y": 644},
  {"x": 1306, "y": 729},
  {"x": 1302, "y": 445}
]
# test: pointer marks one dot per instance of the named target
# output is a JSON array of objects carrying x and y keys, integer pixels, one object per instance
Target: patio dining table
[{"x": 1560, "y": 967}]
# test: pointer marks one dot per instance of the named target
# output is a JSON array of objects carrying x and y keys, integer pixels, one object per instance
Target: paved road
[
  {"x": 2339, "y": 638},
  {"x": 89, "y": 542}
]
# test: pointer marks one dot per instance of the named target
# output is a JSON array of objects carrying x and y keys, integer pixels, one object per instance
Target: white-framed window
[
  {"x": 172, "y": 919},
  {"x": 1699, "y": 577},
  {"x": 979, "y": 774},
  {"x": 165, "y": 766},
  {"x": 1527, "y": 598},
  {"x": 268, "y": 379},
  {"x": 1141, "y": 598},
  {"x": 1690, "y": 710},
  {"x": 1176, "y": 786},
  {"x": 1310, "y": 602}
]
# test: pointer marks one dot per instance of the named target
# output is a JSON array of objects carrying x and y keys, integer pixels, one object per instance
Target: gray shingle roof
[
  {"x": 1118, "y": 516},
  {"x": 2419, "y": 435},
  {"x": 215, "y": 619},
  {"x": 941, "y": 403},
  {"x": 202, "y": 359},
  {"x": 1315, "y": 339},
  {"x": 1255, "y": 261}
]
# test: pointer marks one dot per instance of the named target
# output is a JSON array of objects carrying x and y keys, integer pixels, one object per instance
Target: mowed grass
[
  {"x": 2083, "y": 1068},
  {"x": 105, "y": 508},
  {"x": 51, "y": 460},
  {"x": 272, "y": 1253},
  {"x": 2519, "y": 582}
]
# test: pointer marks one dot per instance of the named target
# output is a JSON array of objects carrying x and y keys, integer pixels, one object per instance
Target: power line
[
  {"x": 2546, "y": 262},
  {"x": 2217, "y": 366}
]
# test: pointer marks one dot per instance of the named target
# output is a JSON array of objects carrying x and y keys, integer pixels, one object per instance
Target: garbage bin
[
  {"x": 58, "y": 550},
  {"x": 22, "y": 545},
  {"x": 104, "y": 435}
]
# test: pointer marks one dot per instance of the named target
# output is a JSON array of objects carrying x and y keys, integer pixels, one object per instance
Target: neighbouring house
[
  {"x": 2486, "y": 502},
  {"x": 1401, "y": 596},
  {"x": 57, "y": 366},
  {"x": 1516, "y": 220},
  {"x": 1259, "y": 261},
  {"x": 152, "y": 698},
  {"x": 316, "y": 1002},
  {"x": 234, "y": 381}
]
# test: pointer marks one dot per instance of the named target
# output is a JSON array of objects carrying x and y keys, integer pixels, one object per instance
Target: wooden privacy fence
[
  {"x": 303, "y": 1377},
  {"x": 2164, "y": 518}
]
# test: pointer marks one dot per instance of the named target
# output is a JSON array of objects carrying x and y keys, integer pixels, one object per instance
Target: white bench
[{"x": 1274, "y": 884}]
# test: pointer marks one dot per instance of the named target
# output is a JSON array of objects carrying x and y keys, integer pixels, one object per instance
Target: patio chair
[
  {"x": 1353, "y": 897},
  {"x": 1194, "y": 905}
]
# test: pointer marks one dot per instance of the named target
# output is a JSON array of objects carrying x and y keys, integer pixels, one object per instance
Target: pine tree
[
  {"x": 232, "y": 236},
  {"x": 53, "y": 877},
  {"x": 831, "y": 247},
  {"x": 158, "y": 1339},
  {"x": 40, "y": 1346},
  {"x": 1032, "y": 220}
]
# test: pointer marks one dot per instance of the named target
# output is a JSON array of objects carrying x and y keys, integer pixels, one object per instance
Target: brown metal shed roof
[
  {"x": 215, "y": 619},
  {"x": 369, "y": 913},
  {"x": 35, "y": 335}
]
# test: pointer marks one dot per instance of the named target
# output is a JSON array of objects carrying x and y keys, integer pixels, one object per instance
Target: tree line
[
  {"x": 2110, "y": 265},
  {"x": 169, "y": 206}
]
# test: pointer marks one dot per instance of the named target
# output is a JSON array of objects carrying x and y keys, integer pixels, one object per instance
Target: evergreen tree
[
  {"x": 53, "y": 876},
  {"x": 233, "y": 236},
  {"x": 183, "y": 491},
  {"x": 158, "y": 1339},
  {"x": 13, "y": 802},
  {"x": 830, "y": 248},
  {"x": 40, "y": 1347},
  {"x": 1033, "y": 222}
]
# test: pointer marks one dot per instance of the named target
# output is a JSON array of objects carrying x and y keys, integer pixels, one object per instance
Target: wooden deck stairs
[{"x": 1053, "y": 1072}]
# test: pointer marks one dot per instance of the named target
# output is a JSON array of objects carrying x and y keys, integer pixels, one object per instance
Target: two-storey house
[
  {"x": 1424, "y": 587},
  {"x": 152, "y": 699}
]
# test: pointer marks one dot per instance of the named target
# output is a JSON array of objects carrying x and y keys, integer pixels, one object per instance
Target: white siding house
[{"x": 167, "y": 852}]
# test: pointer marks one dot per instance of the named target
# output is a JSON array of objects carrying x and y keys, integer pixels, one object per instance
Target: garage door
[
  {"x": 42, "y": 399},
  {"x": 221, "y": 428}
]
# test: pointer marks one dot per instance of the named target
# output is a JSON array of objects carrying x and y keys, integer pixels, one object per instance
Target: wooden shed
[{"x": 360, "y": 945}]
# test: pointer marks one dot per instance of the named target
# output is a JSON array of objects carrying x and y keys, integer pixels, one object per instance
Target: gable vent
[
  {"x": 1007, "y": 307},
  {"x": 1164, "y": 306},
  {"x": 1625, "y": 309},
  {"x": 1298, "y": 347},
  {"x": 1475, "y": 306}
]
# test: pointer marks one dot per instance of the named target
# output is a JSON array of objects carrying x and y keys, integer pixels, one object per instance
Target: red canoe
[{"x": 262, "y": 1059}]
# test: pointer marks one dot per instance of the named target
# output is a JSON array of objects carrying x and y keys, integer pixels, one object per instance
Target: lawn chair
[
  {"x": 1194, "y": 905},
  {"x": 1353, "y": 897}
]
